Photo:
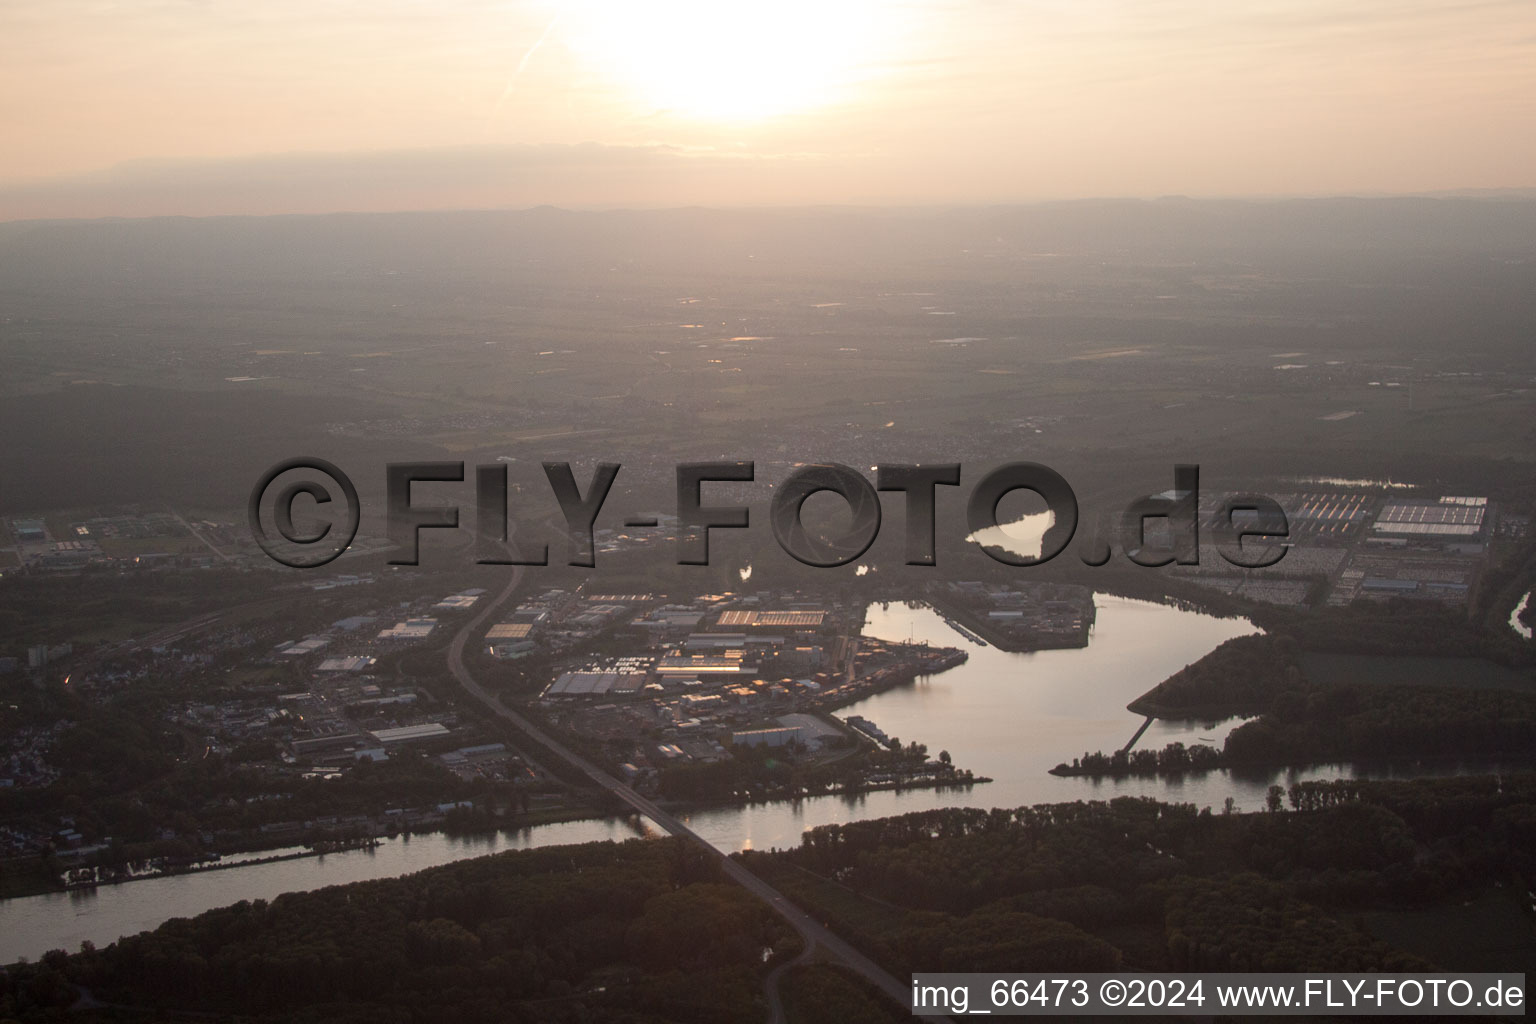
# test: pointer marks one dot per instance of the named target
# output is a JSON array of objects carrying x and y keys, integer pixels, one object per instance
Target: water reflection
[
  {"x": 1008, "y": 716},
  {"x": 1012, "y": 717},
  {"x": 1514, "y": 616},
  {"x": 35, "y": 924},
  {"x": 1344, "y": 481},
  {"x": 1024, "y": 536}
]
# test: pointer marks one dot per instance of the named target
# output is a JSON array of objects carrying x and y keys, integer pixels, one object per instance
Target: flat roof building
[
  {"x": 410, "y": 629},
  {"x": 781, "y": 619},
  {"x": 1448, "y": 517},
  {"x": 728, "y": 662},
  {"x": 410, "y": 733},
  {"x": 349, "y": 664},
  {"x": 777, "y": 737}
]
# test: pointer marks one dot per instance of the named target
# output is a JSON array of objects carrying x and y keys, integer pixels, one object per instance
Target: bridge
[{"x": 812, "y": 932}]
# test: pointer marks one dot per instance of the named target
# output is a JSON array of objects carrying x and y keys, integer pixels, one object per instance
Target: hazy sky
[{"x": 240, "y": 106}]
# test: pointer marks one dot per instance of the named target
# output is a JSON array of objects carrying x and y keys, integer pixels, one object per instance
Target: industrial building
[
  {"x": 355, "y": 663},
  {"x": 410, "y": 733},
  {"x": 591, "y": 684},
  {"x": 783, "y": 619},
  {"x": 729, "y": 662},
  {"x": 670, "y": 620},
  {"x": 1450, "y": 517},
  {"x": 410, "y": 629},
  {"x": 781, "y": 736}
]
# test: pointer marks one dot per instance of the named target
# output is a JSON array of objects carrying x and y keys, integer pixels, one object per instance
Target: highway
[{"x": 810, "y": 930}]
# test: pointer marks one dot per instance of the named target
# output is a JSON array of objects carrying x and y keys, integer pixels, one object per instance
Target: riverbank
[
  {"x": 962, "y": 780},
  {"x": 219, "y": 864},
  {"x": 29, "y": 876},
  {"x": 1245, "y": 675},
  {"x": 1491, "y": 762},
  {"x": 23, "y": 883},
  {"x": 978, "y": 629},
  {"x": 1143, "y": 705},
  {"x": 1001, "y": 715},
  {"x": 932, "y": 662}
]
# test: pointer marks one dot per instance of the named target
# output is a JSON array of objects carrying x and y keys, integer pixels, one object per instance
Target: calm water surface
[
  {"x": 1010, "y": 717},
  {"x": 33, "y": 925},
  {"x": 1514, "y": 616}
]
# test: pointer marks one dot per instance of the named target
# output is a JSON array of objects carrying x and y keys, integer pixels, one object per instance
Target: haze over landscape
[{"x": 296, "y": 107}]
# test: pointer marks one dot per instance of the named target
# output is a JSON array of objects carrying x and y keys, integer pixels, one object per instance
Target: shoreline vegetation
[
  {"x": 1308, "y": 708},
  {"x": 467, "y": 825},
  {"x": 956, "y": 779},
  {"x": 1326, "y": 706},
  {"x": 217, "y": 863},
  {"x": 1330, "y": 701},
  {"x": 931, "y": 662},
  {"x": 1329, "y": 875},
  {"x": 31, "y": 877},
  {"x": 875, "y": 771},
  {"x": 1196, "y": 758},
  {"x": 976, "y": 629}
]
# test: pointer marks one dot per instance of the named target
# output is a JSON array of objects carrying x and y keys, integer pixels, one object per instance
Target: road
[
  {"x": 811, "y": 931},
  {"x": 196, "y": 533},
  {"x": 776, "y": 1013}
]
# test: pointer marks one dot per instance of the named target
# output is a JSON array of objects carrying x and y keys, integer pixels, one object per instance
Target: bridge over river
[{"x": 814, "y": 934}]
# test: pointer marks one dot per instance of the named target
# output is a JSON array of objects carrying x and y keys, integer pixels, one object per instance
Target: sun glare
[{"x": 725, "y": 60}]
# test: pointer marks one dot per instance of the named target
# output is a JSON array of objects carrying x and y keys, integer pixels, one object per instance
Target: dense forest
[
  {"x": 1311, "y": 703},
  {"x": 1243, "y": 676},
  {"x": 1324, "y": 877},
  {"x": 1140, "y": 884},
  {"x": 1240, "y": 677},
  {"x": 1312, "y": 723},
  {"x": 640, "y": 931},
  {"x": 1307, "y": 723}
]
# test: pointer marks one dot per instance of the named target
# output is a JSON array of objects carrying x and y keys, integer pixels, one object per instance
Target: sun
[{"x": 726, "y": 60}]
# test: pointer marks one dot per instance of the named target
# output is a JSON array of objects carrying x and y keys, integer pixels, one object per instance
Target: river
[
  {"x": 1010, "y": 717},
  {"x": 32, "y": 925}
]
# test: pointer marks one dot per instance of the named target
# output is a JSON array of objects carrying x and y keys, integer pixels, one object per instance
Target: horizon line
[{"x": 1507, "y": 194}]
